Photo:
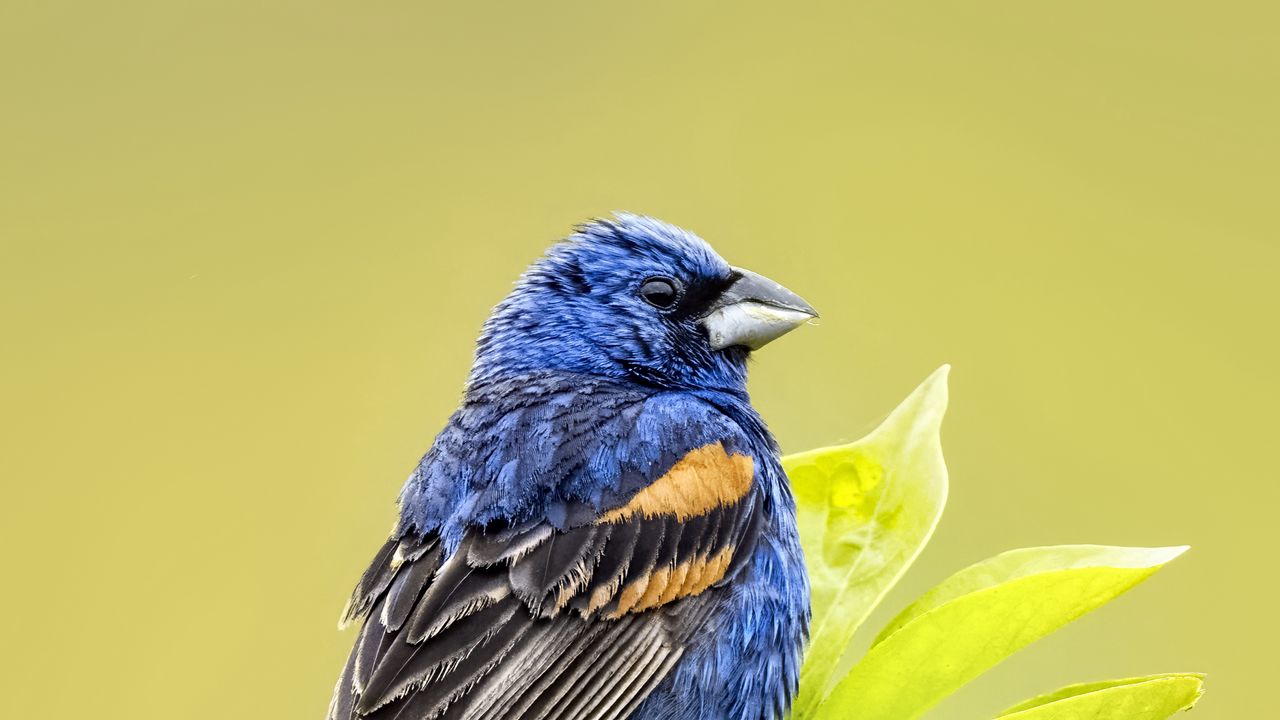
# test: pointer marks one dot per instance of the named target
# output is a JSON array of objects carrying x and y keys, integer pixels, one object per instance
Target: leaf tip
[
  {"x": 922, "y": 410},
  {"x": 934, "y": 387},
  {"x": 937, "y": 379},
  {"x": 932, "y": 392},
  {"x": 1169, "y": 554}
]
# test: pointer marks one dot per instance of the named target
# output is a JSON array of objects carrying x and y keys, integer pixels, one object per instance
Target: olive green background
[{"x": 247, "y": 247}]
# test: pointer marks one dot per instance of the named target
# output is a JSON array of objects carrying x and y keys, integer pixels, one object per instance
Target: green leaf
[
  {"x": 1154, "y": 697},
  {"x": 1027, "y": 561},
  {"x": 978, "y": 618},
  {"x": 865, "y": 512}
]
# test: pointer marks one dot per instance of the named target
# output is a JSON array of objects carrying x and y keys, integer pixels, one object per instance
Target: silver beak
[{"x": 754, "y": 311}]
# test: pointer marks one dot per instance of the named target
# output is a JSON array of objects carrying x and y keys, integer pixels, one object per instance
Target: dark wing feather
[
  {"x": 557, "y": 566},
  {"x": 403, "y": 593},
  {"x": 537, "y": 623},
  {"x": 382, "y": 571},
  {"x": 746, "y": 535}
]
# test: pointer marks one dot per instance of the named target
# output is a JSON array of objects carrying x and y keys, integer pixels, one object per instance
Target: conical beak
[{"x": 754, "y": 311}]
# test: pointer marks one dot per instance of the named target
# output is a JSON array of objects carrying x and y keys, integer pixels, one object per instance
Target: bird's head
[{"x": 636, "y": 299}]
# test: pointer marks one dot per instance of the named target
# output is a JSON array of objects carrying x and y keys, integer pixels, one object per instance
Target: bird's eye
[{"x": 660, "y": 292}]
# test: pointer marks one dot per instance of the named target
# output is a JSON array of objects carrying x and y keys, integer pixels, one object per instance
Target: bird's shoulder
[{"x": 558, "y": 446}]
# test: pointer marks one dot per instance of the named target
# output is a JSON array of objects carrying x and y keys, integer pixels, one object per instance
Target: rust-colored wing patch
[
  {"x": 703, "y": 480},
  {"x": 665, "y": 584}
]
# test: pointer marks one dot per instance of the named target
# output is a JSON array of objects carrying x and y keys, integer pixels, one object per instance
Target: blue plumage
[{"x": 606, "y": 511}]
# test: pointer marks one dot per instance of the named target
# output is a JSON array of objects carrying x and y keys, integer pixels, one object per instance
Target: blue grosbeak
[{"x": 603, "y": 529}]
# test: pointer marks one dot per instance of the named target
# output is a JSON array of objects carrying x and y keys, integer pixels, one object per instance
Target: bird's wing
[{"x": 534, "y": 622}]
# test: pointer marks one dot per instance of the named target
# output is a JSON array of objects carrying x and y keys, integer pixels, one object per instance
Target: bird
[{"x": 603, "y": 529}]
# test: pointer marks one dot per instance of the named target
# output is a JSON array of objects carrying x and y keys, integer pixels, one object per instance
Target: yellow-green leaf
[
  {"x": 1154, "y": 697},
  {"x": 960, "y": 637},
  {"x": 1028, "y": 561},
  {"x": 865, "y": 512}
]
